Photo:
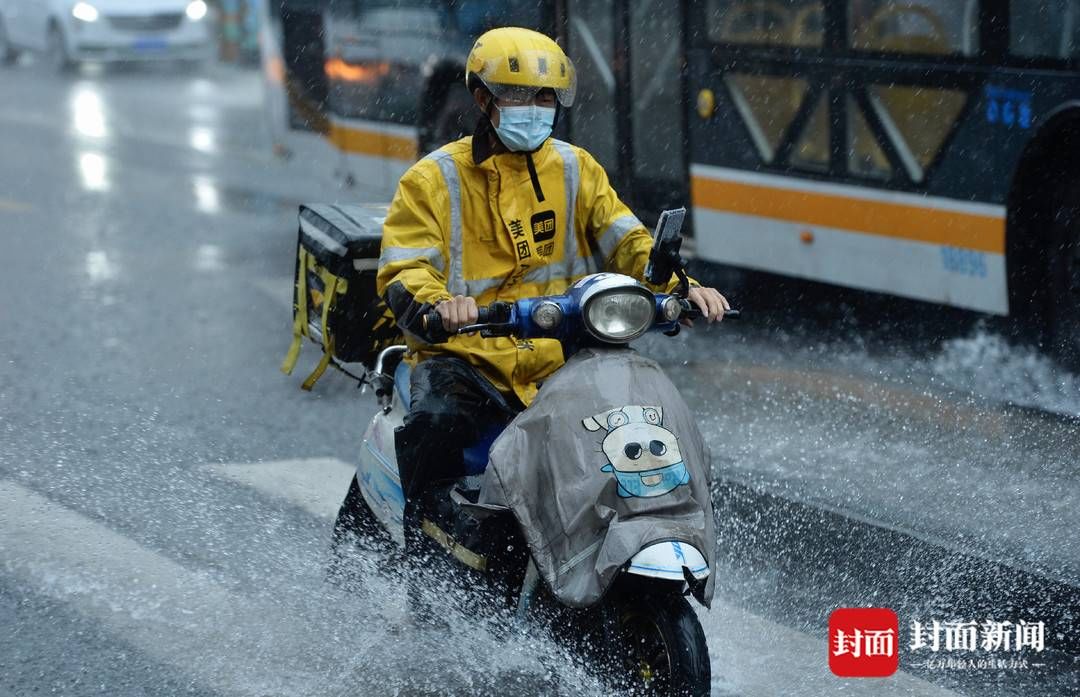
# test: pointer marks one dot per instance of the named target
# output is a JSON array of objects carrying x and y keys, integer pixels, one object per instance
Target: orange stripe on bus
[
  {"x": 984, "y": 233},
  {"x": 365, "y": 142}
]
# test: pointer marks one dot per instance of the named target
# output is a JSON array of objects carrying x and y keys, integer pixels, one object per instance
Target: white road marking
[
  {"x": 317, "y": 485},
  {"x": 222, "y": 639}
]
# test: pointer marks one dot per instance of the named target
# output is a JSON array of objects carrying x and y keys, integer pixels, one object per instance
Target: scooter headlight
[{"x": 620, "y": 315}]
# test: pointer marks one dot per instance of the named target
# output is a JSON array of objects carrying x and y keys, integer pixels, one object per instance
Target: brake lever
[
  {"x": 495, "y": 320},
  {"x": 490, "y": 329},
  {"x": 691, "y": 311}
]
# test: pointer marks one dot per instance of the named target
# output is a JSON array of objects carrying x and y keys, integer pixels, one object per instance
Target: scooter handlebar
[
  {"x": 488, "y": 314},
  {"x": 499, "y": 312},
  {"x": 691, "y": 311}
]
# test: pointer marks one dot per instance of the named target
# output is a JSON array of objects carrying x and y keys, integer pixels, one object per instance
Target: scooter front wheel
[{"x": 659, "y": 647}]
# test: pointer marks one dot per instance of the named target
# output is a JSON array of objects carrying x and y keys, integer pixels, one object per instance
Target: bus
[{"x": 920, "y": 148}]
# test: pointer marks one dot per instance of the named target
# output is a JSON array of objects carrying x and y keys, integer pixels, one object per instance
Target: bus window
[
  {"x": 936, "y": 27},
  {"x": 592, "y": 45},
  {"x": 917, "y": 120},
  {"x": 377, "y": 52},
  {"x": 1045, "y": 29},
  {"x": 812, "y": 149},
  {"x": 767, "y": 105},
  {"x": 302, "y": 51},
  {"x": 656, "y": 93},
  {"x": 796, "y": 23},
  {"x": 865, "y": 156}
]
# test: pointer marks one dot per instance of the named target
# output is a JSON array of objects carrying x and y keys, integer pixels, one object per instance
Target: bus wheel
[
  {"x": 456, "y": 118},
  {"x": 1063, "y": 278}
]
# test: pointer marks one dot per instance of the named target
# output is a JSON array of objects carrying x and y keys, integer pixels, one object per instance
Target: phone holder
[{"x": 665, "y": 258}]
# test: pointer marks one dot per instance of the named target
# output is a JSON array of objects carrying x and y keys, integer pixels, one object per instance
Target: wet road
[{"x": 166, "y": 494}]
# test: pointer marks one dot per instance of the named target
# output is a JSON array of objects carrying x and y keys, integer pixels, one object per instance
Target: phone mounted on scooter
[{"x": 665, "y": 258}]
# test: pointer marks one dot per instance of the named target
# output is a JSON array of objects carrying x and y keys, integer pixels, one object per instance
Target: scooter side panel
[{"x": 377, "y": 472}]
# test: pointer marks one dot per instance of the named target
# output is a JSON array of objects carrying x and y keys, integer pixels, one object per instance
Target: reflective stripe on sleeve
[
  {"x": 391, "y": 255},
  {"x": 611, "y": 237},
  {"x": 455, "y": 282}
]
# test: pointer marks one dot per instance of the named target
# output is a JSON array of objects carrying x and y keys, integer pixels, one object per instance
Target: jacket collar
[
  {"x": 482, "y": 141},
  {"x": 484, "y": 153}
]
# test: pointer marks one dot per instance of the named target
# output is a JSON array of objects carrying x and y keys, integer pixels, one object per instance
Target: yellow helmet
[{"x": 516, "y": 63}]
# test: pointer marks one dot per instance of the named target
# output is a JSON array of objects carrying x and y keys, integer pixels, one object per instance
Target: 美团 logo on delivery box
[{"x": 863, "y": 642}]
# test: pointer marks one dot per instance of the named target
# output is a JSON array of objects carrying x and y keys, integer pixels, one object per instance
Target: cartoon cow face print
[{"x": 642, "y": 454}]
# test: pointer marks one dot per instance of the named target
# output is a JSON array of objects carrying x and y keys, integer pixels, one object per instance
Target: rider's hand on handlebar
[
  {"x": 457, "y": 312},
  {"x": 710, "y": 302}
]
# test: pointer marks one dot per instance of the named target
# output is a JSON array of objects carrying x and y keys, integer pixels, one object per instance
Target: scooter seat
[{"x": 476, "y": 455}]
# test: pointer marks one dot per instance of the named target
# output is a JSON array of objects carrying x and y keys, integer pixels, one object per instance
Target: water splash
[{"x": 988, "y": 365}]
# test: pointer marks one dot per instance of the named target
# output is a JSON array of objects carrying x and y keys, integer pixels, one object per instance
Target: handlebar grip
[
  {"x": 490, "y": 314},
  {"x": 691, "y": 311},
  {"x": 432, "y": 320}
]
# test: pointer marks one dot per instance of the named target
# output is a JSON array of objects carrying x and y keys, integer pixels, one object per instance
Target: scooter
[{"x": 608, "y": 557}]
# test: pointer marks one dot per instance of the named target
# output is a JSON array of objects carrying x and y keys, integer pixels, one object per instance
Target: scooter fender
[
  {"x": 670, "y": 561},
  {"x": 377, "y": 471}
]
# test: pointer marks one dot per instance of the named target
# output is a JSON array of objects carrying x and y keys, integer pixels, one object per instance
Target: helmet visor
[
  {"x": 519, "y": 78},
  {"x": 524, "y": 94}
]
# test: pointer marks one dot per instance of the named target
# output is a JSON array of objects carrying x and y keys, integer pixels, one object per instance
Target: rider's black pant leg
[{"x": 451, "y": 405}]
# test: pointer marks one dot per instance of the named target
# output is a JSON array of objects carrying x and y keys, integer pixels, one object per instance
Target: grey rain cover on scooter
[{"x": 606, "y": 460}]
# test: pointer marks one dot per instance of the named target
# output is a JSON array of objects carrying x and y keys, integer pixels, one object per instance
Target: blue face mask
[{"x": 524, "y": 128}]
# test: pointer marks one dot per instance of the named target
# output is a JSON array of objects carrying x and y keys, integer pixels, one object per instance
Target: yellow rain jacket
[{"x": 492, "y": 231}]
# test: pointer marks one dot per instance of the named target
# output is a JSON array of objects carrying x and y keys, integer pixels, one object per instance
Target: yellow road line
[{"x": 984, "y": 233}]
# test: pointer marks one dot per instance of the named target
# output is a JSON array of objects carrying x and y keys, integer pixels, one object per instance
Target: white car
[{"x": 71, "y": 31}]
